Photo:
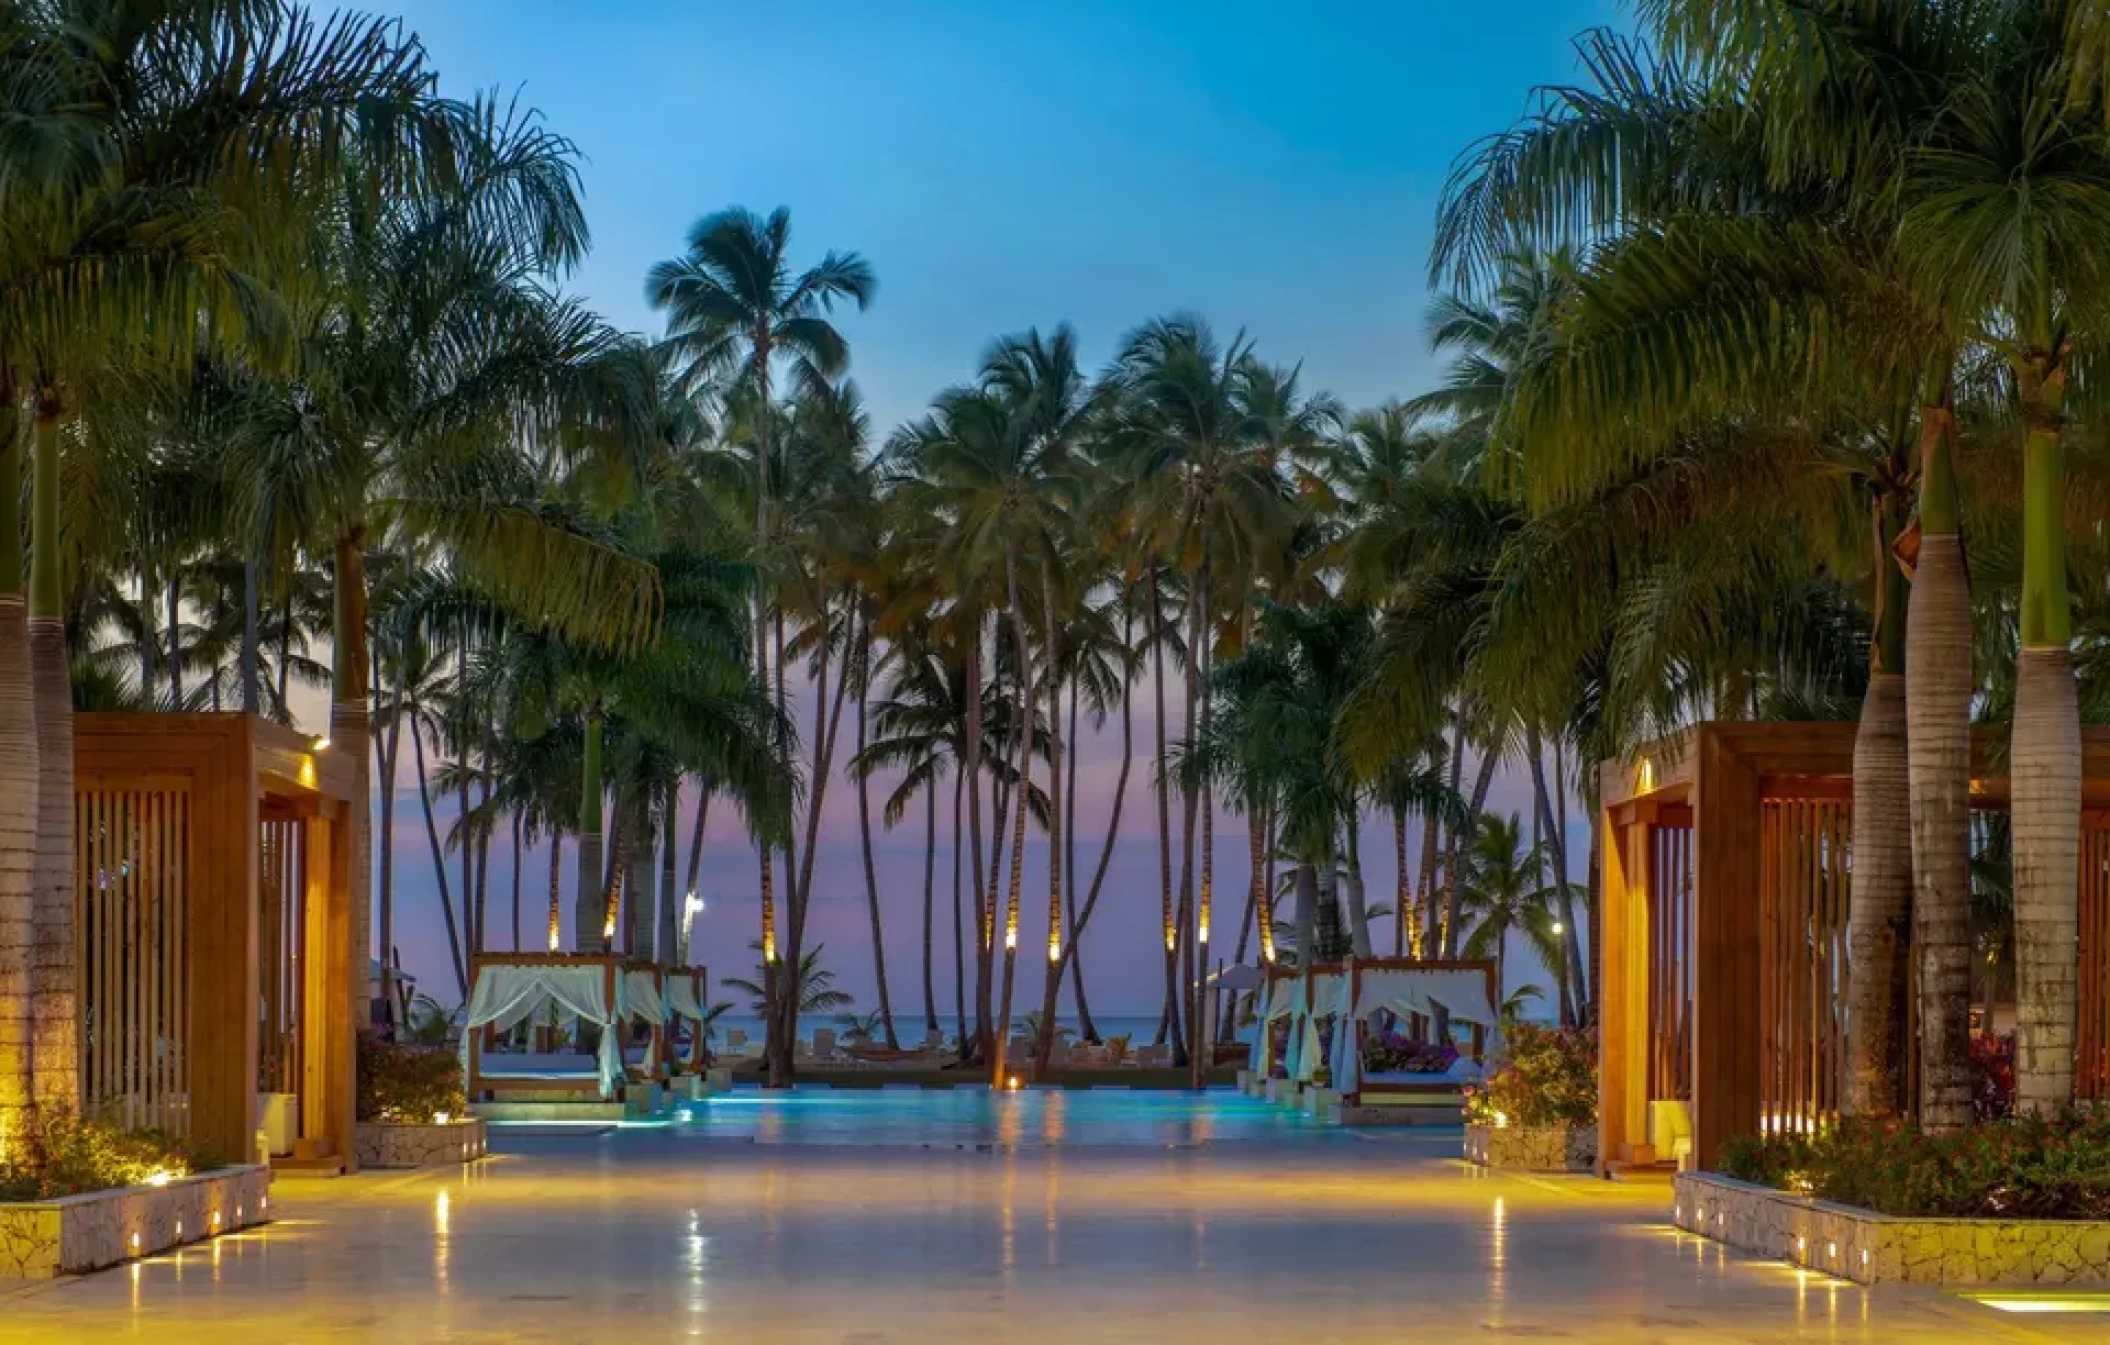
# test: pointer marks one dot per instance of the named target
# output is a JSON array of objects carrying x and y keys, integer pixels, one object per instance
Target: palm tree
[
  {"x": 734, "y": 309},
  {"x": 813, "y": 986},
  {"x": 1507, "y": 892}
]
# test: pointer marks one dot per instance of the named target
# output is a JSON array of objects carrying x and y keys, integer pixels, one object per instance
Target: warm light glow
[
  {"x": 1558, "y": 928},
  {"x": 1645, "y": 778},
  {"x": 1205, "y": 930},
  {"x": 2041, "y": 1302},
  {"x": 1054, "y": 948},
  {"x": 1501, "y": 1120},
  {"x": 1802, "y": 1244},
  {"x": 1011, "y": 938},
  {"x": 215, "y": 1218},
  {"x": 1172, "y": 940},
  {"x": 440, "y": 1118},
  {"x": 1831, "y": 1249},
  {"x": 1012, "y": 1083},
  {"x": 769, "y": 946},
  {"x": 608, "y": 927},
  {"x": 322, "y": 743},
  {"x": 160, "y": 1177},
  {"x": 135, "y": 1242}
]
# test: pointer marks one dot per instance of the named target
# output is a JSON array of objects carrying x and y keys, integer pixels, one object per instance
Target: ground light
[{"x": 2040, "y": 1300}]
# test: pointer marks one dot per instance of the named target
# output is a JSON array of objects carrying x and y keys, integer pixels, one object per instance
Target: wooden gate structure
[
  {"x": 1726, "y": 867},
  {"x": 214, "y": 924}
]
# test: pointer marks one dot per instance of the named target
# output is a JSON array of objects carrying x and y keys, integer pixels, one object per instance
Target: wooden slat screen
[
  {"x": 2091, "y": 1075},
  {"x": 131, "y": 904},
  {"x": 1803, "y": 874},
  {"x": 282, "y": 888},
  {"x": 1670, "y": 925}
]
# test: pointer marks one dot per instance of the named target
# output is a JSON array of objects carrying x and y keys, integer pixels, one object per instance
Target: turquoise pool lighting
[{"x": 1030, "y": 1118}]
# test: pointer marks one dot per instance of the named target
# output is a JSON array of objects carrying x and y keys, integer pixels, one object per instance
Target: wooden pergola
[
  {"x": 214, "y": 929},
  {"x": 1722, "y": 987}
]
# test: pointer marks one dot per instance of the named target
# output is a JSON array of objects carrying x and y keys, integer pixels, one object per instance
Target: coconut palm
[{"x": 735, "y": 309}]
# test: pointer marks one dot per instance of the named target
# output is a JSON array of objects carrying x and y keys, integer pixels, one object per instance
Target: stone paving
[{"x": 642, "y": 1235}]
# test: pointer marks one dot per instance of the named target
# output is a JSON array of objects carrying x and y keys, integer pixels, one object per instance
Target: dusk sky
[{"x": 1274, "y": 167}]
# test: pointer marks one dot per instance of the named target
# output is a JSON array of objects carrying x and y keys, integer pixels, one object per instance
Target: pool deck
[{"x": 639, "y": 1235}]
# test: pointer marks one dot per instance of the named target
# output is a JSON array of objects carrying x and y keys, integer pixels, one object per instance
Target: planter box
[
  {"x": 1870, "y": 1248},
  {"x": 46, "y": 1238},
  {"x": 386, "y": 1144},
  {"x": 1532, "y": 1148}
]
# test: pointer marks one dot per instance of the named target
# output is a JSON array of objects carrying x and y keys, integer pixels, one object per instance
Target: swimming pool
[{"x": 971, "y": 1119}]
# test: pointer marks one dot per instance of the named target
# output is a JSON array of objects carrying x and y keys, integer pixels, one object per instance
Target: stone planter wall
[
  {"x": 46, "y": 1238},
  {"x": 1533, "y": 1148},
  {"x": 389, "y": 1145},
  {"x": 1870, "y": 1248}
]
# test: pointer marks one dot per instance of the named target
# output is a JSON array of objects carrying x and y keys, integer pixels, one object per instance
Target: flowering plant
[
  {"x": 1389, "y": 1052},
  {"x": 1545, "y": 1077},
  {"x": 1992, "y": 1076}
]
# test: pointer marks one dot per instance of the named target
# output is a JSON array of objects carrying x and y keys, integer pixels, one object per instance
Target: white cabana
[
  {"x": 1466, "y": 992},
  {"x": 508, "y": 993}
]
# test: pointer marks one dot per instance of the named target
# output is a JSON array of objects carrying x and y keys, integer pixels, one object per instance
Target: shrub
[
  {"x": 67, "y": 1155},
  {"x": 1544, "y": 1077},
  {"x": 2024, "y": 1167},
  {"x": 1391, "y": 1052},
  {"x": 1992, "y": 1076},
  {"x": 408, "y": 1083}
]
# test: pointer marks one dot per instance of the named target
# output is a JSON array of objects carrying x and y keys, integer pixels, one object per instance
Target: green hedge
[
  {"x": 2025, "y": 1167},
  {"x": 408, "y": 1083},
  {"x": 67, "y": 1155}
]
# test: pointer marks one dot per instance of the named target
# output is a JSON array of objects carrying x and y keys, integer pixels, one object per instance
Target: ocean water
[{"x": 909, "y": 1027}]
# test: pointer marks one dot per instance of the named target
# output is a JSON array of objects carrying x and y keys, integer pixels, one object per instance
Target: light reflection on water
[{"x": 964, "y": 1118}]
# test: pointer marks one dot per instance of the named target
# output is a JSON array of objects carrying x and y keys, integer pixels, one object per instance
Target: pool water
[{"x": 976, "y": 1118}]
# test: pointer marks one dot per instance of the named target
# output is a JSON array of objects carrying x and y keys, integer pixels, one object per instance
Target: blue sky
[{"x": 1272, "y": 166}]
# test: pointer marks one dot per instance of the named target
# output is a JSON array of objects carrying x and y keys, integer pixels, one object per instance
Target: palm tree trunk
[
  {"x": 1085, "y": 1030},
  {"x": 1403, "y": 912},
  {"x": 1880, "y": 913},
  {"x": 971, "y": 780},
  {"x": 1581, "y": 981},
  {"x": 1542, "y": 844},
  {"x": 439, "y": 860},
  {"x": 1260, "y": 895},
  {"x": 1307, "y": 914},
  {"x": 1432, "y": 847},
  {"x": 285, "y": 648},
  {"x": 665, "y": 941},
  {"x": 930, "y": 875},
  {"x": 827, "y": 728},
  {"x": 1193, "y": 919},
  {"x": 464, "y": 834},
  {"x": 149, "y": 638},
  {"x": 175, "y": 602},
  {"x": 589, "y": 932},
  {"x": 390, "y": 745},
  {"x": 1481, "y": 783},
  {"x": 54, "y": 1007},
  {"x": 960, "y": 794},
  {"x": 252, "y": 694},
  {"x": 1358, "y": 907},
  {"x": 1051, "y": 987},
  {"x": 20, "y": 803},
  {"x": 556, "y": 889},
  {"x": 1083, "y": 916},
  {"x": 519, "y": 862},
  {"x": 864, "y": 834},
  {"x": 1022, "y": 735},
  {"x": 703, "y": 813},
  {"x": 2047, "y": 785},
  {"x": 350, "y": 718},
  {"x": 1938, "y": 683},
  {"x": 1166, "y": 915}
]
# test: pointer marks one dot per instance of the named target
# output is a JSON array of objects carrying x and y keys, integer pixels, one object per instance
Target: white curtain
[
  {"x": 505, "y": 996},
  {"x": 642, "y": 988},
  {"x": 1347, "y": 1052},
  {"x": 681, "y": 997},
  {"x": 1327, "y": 993},
  {"x": 1258, "y": 1036}
]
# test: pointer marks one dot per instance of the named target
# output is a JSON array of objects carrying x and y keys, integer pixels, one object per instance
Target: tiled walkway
[{"x": 648, "y": 1235}]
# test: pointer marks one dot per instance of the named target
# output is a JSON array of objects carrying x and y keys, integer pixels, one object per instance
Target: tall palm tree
[{"x": 735, "y": 309}]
